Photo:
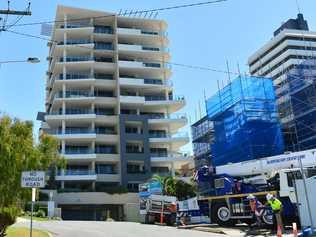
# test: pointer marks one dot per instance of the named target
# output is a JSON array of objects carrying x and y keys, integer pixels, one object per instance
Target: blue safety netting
[
  {"x": 246, "y": 122},
  {"x": 302, "y": 93}
]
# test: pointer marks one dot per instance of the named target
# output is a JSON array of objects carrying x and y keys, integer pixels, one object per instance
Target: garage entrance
[{"x": 91, "y": 212}]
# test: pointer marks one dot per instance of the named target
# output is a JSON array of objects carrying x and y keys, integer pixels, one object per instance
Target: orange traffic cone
[
  {"x": 294, "y": 229},
  {"x": 279, "y": 231}
]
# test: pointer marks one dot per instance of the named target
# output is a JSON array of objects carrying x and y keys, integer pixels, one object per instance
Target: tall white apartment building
[
  {"x": 110, "y": 102},
  {"x": 291, "y": 44}
]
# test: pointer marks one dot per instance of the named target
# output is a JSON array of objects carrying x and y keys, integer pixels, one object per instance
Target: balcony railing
[
  {"x": 103, "y": 30},
  {"x": 72, "y": 111},
  {"x": 71, "y": 42},
  {"x": 70, "y": 131},
  {"x": 168, "y": 154},
  {"x": 85, "y": 58},
  {"x": 79, "y": 94},
  {"x": 76, "y": 25},
  {"x": 105, "y": 150},
  {"x": 157, "y": 135},
  {"x": 76, "y": 172},
  {"x": 154, "y": 98},
  {"x": 176, "y": 135},
  {"x": 153, "y": 81},
  {"x": 76, "y": 59},
  {"x": 85, "y": 76},
  {"x": 78, "y": 151},
  {"x": 103, "y": 46}
]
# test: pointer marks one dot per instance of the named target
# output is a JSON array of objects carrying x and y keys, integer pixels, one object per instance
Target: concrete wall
[{"x": 130, "y": 201}]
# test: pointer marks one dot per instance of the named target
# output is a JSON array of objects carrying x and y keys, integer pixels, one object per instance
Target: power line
[
  {"x": 125, "y": 13},
  {"x": 170, "y": 63}
]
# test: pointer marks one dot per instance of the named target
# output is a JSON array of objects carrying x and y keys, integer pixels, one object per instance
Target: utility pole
[{"x": 8, "y": 11}]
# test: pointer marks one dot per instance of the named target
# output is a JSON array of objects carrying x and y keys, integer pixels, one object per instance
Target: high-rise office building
[
  {"x": 110, "y": 102},
  {"x": 291, "y": 44}
]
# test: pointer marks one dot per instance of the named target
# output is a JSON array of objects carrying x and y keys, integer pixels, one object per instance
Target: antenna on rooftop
[
  {"x": 120, "y": 12},
  {"x": 151, "y": 13},
  {"x": 145, "y": 14},
  {"x": 228, "y": 71},
  {"x": 238, "y": 68},
  {"x": 298, "y": 6},
  {"x": 156, "y": 14},
  {"x": 125, "y": 13}
]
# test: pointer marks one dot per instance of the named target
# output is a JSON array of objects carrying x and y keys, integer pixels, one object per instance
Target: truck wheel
[
  {"x": 221, "y": 215},
  {"x": 149, "y": 219},
  {"x": 171, "y": 220},
  {"x": 267, "y": 217}
]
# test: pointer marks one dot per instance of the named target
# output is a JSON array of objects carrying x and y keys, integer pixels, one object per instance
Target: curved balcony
[
  {"x": 177, "y": 140},
  {"x": 68, "y": 175},
  {"x": 146, "y": 83}
]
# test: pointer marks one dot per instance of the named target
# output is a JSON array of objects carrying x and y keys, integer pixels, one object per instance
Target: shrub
[
  {"x": 7, "y": 218},
  {"x": 40, "y": 213},
  {"x": 44, "y": 209}
]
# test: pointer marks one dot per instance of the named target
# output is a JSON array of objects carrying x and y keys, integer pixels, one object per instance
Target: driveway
[{"x": 112, "y": 229}]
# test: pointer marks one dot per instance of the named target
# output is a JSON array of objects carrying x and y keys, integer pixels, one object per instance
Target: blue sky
[{"x": 202, "y": 36}]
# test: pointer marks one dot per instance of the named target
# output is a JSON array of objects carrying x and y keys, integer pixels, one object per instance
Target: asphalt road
[{"x": 113, "y": 229}]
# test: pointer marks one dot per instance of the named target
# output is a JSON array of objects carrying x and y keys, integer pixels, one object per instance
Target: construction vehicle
[
  {"x": 225, "y": 188},
  {"x": 155, "y": 207}
]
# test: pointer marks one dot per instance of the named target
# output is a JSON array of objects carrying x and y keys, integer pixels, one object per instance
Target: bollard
[
  {"x": 294, "y": 226},
  {"x": 279, "y": 231}
]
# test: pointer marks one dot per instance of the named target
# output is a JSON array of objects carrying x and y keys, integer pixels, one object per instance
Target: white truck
[{"x": 230, "y": 185}]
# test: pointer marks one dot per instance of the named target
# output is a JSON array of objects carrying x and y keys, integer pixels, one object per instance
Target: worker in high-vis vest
[{"x": 276, "y": 206}]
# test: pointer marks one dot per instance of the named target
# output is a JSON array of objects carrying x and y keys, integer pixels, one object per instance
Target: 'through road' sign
[{"x": 33, "y": 179}]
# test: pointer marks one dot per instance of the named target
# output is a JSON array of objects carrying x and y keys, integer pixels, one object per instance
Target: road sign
[{"x": 33, "y": 179}]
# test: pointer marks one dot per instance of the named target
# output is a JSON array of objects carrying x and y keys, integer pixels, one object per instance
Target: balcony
[
  {"x": 103, "y": 30},
  {"x": 104, "y": 97},
  {"x": 76, "y": 59},
  {"x": 174, "y": 103},
  {"x": 133, "y": 64},
  {"x": 144, "y": 83},
  {"x": 177, "y": 140},
  {"x": 140, "y": 48},
  {"x": 86, "y": 153},
  {"x": 75, "y": 42},
  {"x": 73, "y": 25},
  {"x": 138, "y": 32},
  {"x": 81, "y": 134},
  {"x": 108, "y": 177},
  {"x": 132, "y": 100},
  {"x": 69, "y": 175},
  {"x": 103, "y": 46},
  {"x": 85, "y": 79}
]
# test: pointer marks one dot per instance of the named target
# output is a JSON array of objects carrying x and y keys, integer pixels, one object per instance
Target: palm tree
[
  {"x": 173, "y": 187},
  {"x": 167, "y": 184}
]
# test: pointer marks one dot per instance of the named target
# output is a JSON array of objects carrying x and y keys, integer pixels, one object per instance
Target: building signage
[
  {"x": 285, "y": 159},
  {"x": 33, "y": 179}
]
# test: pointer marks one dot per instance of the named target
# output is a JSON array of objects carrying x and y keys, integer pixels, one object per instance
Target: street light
[{"x": 28, "y": 60}]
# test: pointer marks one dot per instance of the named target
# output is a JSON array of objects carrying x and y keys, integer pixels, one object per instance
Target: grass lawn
[
  {"x": 25, "y": 232},
  {"x": 35, "y": 218}
]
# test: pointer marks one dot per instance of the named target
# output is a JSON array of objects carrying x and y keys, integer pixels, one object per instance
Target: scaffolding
[
  {"x": 246, "y": 123},
  {"x": 301, "y": 105}
]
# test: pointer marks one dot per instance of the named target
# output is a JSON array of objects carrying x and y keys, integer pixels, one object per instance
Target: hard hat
[
  {"x": 251, "y": 196},
  {"x": 269, "y": 196}
]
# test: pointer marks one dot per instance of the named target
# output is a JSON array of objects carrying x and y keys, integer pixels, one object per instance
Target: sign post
[{"x": 33, "y": 179}]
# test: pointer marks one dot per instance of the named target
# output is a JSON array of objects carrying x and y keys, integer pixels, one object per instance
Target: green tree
[
  {"x": 175, "y": 187},
  {"x": 19, "y": 152}
]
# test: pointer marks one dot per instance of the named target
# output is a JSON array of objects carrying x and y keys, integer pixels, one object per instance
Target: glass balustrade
[{"x": 103, "y": 30}]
